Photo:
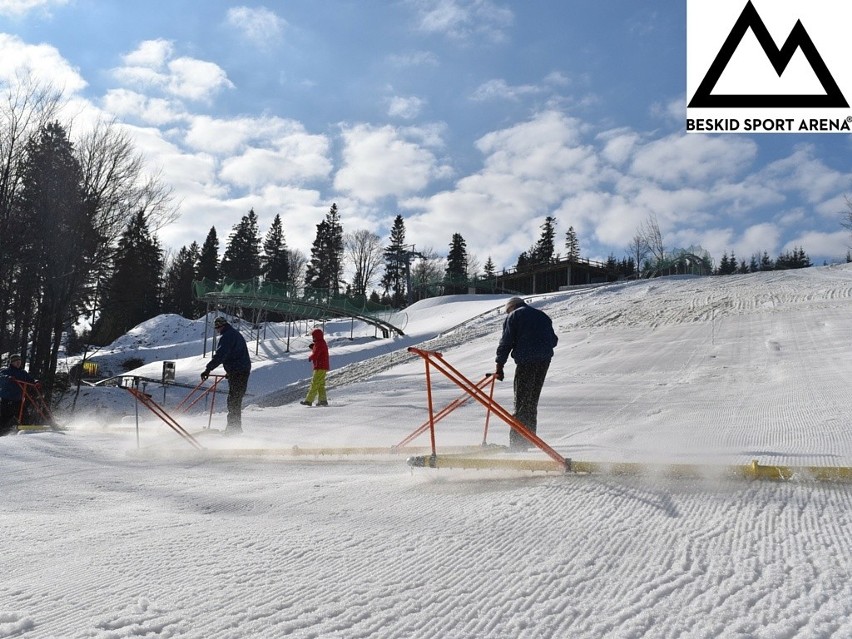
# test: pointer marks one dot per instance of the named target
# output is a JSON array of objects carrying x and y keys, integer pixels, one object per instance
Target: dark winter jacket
[
  {"x": 9, "y": 390},
  {"x": 319, "y": 355},
  {"x": 528, "y": 335},
  {"x": 231, "y": 352}
]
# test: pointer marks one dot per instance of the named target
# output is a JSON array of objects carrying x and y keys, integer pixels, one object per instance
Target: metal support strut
[
  {"x": 436, "y": 360},
  {"x": 146, "y": 400}
]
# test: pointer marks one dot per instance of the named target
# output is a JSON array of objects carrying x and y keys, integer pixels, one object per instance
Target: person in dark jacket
[
  {"x": 319, "y": 358},
  {"x": 232, "y": 353},
  {"x": 11, "y": 395},
  {"x": 528, "y": 336}
]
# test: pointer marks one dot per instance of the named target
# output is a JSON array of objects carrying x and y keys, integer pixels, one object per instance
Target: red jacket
[{"x": 319, "y": 356}]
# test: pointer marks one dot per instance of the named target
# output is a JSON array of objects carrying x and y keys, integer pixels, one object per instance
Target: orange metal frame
[
  {"x": 436, "y": 360},
  {"x": 31, "y": 393},
  {"x": 449, "y": 408},
  {"x": 160, "y": 412},
  {"x": 186, "y": 404}
]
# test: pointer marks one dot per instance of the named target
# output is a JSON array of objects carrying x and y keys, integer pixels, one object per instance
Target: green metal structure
[{"x": 293, "y": 305}]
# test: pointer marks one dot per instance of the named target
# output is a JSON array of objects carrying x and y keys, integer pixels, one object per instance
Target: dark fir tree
[
  {"x": 766, "y": 263},
  {"x": 572, "y": 245},
  {"x": 545, "y": 249},
  {"x": 180, "y": 273},
  {"x": 133, "y": 292},
  {"x": 396, "y": 260},
  {"x": 242, "y": 255},
  {"x": 325, "y": 269},
  {"x": 489, "y": 270},
  {"x": 208, "y": 259},
  {"x": 275, "y": 261},
  {"x": 455, "y": 275},
  {"x": 59, "y": 243}
]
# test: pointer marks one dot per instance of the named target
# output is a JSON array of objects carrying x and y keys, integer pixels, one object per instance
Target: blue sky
[{"x": 478, "y": 117}]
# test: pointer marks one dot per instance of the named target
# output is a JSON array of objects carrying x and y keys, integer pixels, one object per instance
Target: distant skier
[
  {"x": 11, "y": 395},
  {"x": 528, "y": 335},
  {"x": 319, "y": 358},
  {"x": 232, "y": 353}
]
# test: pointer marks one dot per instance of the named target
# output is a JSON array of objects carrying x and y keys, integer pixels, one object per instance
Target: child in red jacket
[{"x": 319, "y": 358}]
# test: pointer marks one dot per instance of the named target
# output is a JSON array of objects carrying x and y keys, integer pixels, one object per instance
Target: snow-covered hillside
[{"x": 104, "y": 539}]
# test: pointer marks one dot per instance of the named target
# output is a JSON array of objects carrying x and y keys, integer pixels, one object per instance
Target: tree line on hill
[{"x": 78, "y": 234}]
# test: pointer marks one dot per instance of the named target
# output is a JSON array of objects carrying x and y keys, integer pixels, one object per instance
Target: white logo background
[{"x": 750, "y": 72}]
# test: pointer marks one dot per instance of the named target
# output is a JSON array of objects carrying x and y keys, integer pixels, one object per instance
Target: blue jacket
[
  {"x": 231, "y": 352},
  {"x": 9, "y": 390},
  {"x": 528, "y": 335}
]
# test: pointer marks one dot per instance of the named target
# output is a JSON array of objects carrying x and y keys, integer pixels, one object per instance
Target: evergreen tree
[
  {"x": 455, "y": 275},
  {"x": 572, "y": 245},
  {"x": 545, "y": 250},
  {"x": 276, "y": 265},
  {"x": 754, "y": 263},
  {"x": 57, "y": 246},
  {"x": 724, "y": 265},
  {"x": 208, "y": 260},
  {"x": 325, "y": 269},
  {"x": 489, "y": 270},
  {"x": 242, "y": 255},
  {"x": 133, "y": 293},
  {"x": 396, "y": 264},
  {"x": 177, "y": 282},
  {"x": 766, "y": 263}
]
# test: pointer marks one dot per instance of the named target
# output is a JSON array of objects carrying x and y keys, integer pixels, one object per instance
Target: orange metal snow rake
[
  {"x": 31, "y": 394},
  {"x": 449, "y": 408},
  {"x": 145, "y": 399},
  {"x": 436, "y": 360},
  {"x": 184, "y": 407}
]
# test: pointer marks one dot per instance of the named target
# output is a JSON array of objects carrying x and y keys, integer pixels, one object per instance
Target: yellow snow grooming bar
[{"x": 754, "y": 470}]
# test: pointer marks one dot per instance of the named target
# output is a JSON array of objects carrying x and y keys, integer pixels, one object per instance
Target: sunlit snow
[{"x": 106, "y": 538}]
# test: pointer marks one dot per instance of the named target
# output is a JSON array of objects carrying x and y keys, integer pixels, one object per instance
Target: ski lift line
[{"x": 436, "y": 360}]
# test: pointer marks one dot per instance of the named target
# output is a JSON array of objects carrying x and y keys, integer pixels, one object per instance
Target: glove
[
  {"x": 498, "y": 373},
  {"x": 204, "y": 375}
]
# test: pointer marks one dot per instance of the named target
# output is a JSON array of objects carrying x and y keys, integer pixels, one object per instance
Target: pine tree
[
  {"x": 572, "y": 245},
  {"x": 276, "y": 265},
  {"x": 545, "y": 249},
  {"x": 766, "y": 263},
  {"x": 208, "y": 260},
  {"x": 489, "y": 270},
  {"x": 396, "y": 260},
  {"x": 242, "y": 255},
  {"x": 57, "y": 246},
  {"x": 133, "y": 293},
  {"x": 724, "y": 265},
  {"x": 455, "y": 275},
  {"x": 325, "y": 269},
  {"x": 177, "y": 282}
]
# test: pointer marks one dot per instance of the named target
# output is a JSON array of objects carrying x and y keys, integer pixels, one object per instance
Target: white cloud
[
  {"x": 500, "y": 90},
  {"x": 464, "y": 19},
  {"x": 406, "y": 108},
  {"x": 130, "y": 104},
  {"x": 17, "y": 8},
  {"x": 696, "y": 159},
  {"x": 152, "y": 66},
  {"x": 380, "y": 162},
  {"x": 259, "y": 25},
  {"x": 42, "y": 62}
]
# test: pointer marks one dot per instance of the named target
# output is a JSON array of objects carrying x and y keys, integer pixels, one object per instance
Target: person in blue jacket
[
  {"x": 528, "y": 336},
  {"x": 232, "y": 353},
  {"x": 11, "y": 395}
]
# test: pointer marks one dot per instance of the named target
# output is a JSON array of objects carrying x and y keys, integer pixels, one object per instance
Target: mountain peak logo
[{"x": 798, "y": 40}]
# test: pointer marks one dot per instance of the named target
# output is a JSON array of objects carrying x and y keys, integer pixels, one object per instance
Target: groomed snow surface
[{"x": 103, "y": 539}]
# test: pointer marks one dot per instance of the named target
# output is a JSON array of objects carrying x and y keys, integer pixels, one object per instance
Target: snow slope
[{"x": 103, "y": 539}]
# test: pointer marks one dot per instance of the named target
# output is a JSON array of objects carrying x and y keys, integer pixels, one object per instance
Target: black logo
[{"x": 780, "y": 58}]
